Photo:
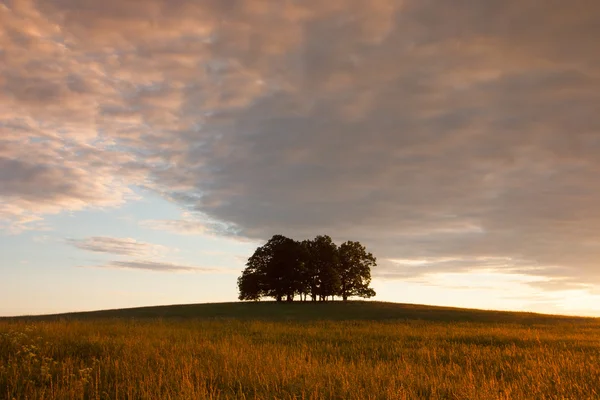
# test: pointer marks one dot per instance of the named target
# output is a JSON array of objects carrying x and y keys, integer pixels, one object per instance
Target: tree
[
  {"x": 320, "y": 270},
  {"x": 283, "y": 268},
  {"x": 273, "y": 271},
  {"x": 283, "y": 273},
  {"x": 252, "y": 284},
  {"x": 304, "y": 275},
  {"x": 354, "y": 269},
  {"x": 249, "y": 285},
  {"x": 310, "y": 271}
]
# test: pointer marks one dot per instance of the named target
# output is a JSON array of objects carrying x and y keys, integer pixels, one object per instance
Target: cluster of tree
[{"x": 284, "y": 268}]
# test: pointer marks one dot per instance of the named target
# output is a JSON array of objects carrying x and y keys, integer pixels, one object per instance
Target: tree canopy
[{"x": 284, "y": 268}]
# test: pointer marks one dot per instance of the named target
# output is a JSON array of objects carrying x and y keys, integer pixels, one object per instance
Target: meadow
[{"x": 359, "y": 350}]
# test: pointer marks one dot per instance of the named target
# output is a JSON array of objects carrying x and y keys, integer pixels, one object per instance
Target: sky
[{"x": 147, "y": 147}]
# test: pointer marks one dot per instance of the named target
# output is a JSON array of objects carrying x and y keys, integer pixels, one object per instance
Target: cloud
[
  {"x": 178, "y": 226},
  {"x": 119, "y": 246},
  {"x": 196, "y": 224},
  {"x": 190, "y": 224},
  {"x": 428, "y": 130},
  {"x": 142, "y": 265},
  {"x": 140, "y": 252}
]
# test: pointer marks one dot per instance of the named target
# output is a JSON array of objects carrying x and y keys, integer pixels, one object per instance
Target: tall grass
[{"x": 245, "y": 359}]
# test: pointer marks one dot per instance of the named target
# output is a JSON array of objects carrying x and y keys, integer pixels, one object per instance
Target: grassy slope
[
  {"x": 359, "y": 350},
  {"x": 336, "y": 311}
]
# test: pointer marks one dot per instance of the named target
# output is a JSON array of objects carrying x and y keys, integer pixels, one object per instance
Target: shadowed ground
[{"x": 337, "y": 311}]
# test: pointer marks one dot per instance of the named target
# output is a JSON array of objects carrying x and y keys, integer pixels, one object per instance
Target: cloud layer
[
  {"x": 426, "y": 129},
  {"x": 118, "y": 246},
  {"x": 143, "y": 265}
]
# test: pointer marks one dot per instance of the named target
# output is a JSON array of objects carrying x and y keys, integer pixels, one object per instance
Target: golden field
[{"x": 359, "y": 350}]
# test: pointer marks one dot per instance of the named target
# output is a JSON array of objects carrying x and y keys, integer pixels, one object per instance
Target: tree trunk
[{"x": 345, "y": 297}]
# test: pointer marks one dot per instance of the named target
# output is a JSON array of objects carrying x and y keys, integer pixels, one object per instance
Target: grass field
[{"x": 359, "y": 350}]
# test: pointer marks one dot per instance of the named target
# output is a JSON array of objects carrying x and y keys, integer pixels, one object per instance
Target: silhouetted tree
[
  {"x": 304, "y": 273},
  {"x": 272, "y": 271},
  {"x": 284, "y": 272},
  {"x": 283, "y": 268},
  {"x": 354, "y": 268},
  {"x": 253, "y": 284},
  {"x": 321, "y": 262},
  {"x": 249, "y": 285},
  {"x": 310, "y": 272}
]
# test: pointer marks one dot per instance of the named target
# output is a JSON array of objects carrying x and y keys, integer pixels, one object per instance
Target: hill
[
  {"x": 355, "y": 351},
  {"x": 335, "y": 311}
]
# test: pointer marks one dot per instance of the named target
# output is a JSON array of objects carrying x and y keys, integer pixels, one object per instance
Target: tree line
[{"x": 284, "y": 268}]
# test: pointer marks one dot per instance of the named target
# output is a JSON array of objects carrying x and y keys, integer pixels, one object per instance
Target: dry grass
[{"x": 249, "y": 359}]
